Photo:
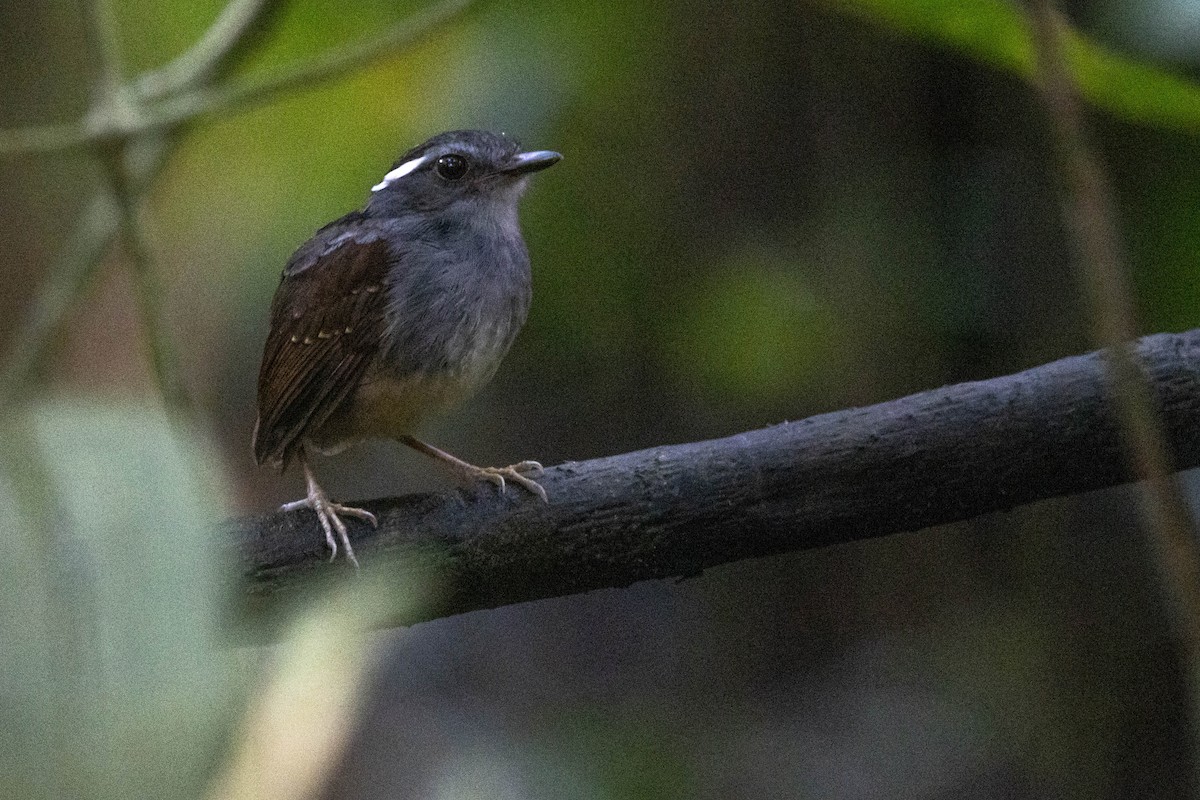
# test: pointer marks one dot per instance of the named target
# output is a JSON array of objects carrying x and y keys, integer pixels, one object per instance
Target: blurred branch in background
[
  {"x": 132, "y": 128},
  {"x": 1103, "y": 277},
  {"x": 164, "y": 358},
  {"x": 932, "y": 458},
  {"x": 105, "y": 43},
  {"x": 100, "y": 25},
  {"x": 232, "y": 29},
  {"x": 309, "y": 75},
  {"x": 68, "y": 279}
]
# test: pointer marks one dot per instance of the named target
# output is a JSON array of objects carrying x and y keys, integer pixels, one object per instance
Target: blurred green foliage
[
  {"x": 761, "y": 214},
  {"x": 995, "y": 32},
  {"x": 120, "y": 675},
  {"x": 115, "y": 671}
]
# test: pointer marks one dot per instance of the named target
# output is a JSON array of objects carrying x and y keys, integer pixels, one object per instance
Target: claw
[
  {"x": 513, "y": 473},
  {"x": 494, "y": 477},
  {"x": 328, "y": 513},
  {"x": 469, "y": 473},
  {"x": 361, "y": 513}
]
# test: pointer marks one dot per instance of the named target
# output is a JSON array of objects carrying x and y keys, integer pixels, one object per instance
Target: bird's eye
[{"x": 451, "y": 167}]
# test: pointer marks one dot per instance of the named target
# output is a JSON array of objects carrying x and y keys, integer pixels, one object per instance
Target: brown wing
[{"x": 327, "y": 321}]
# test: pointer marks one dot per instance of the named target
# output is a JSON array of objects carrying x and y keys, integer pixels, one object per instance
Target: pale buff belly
[{"x": 389, "y": 407}]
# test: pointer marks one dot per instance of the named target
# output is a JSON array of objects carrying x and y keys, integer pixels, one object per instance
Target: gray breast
[{"x": 455, "y": 311}]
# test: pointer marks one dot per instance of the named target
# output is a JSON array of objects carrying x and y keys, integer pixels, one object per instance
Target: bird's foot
[
  {"x": 328, "y": 513},
  {"x": 517, "y": 473},
  {"x": 469, "y": 474}
]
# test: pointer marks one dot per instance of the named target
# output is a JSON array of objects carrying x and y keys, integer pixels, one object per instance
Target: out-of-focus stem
[{"x": 1102, "y": 274}]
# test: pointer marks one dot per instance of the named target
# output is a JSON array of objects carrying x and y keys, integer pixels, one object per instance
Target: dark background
[{"x": 765, "y": 211}]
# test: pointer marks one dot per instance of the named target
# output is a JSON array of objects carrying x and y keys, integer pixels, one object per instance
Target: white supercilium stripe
[{"x": 399, "y": 172}]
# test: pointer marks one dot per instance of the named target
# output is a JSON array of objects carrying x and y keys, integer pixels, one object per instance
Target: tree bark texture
[{"x": 671, "y": 511}]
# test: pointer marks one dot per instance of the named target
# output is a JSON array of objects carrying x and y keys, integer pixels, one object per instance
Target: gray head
[{"x": 475, "y": 173}]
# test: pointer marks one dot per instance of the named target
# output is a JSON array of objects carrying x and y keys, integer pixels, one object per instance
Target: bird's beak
[{"x": 524, "y": 163}]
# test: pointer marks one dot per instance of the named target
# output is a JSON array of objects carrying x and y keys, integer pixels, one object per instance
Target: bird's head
[{"x": 473, "y": 173}]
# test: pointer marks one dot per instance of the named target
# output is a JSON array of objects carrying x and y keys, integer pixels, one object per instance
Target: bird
[{"x": 399, "y": 310}]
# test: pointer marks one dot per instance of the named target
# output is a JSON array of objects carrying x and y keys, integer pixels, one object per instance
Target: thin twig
[
  {"x": 69, "y": 279},
  {"x": 1102, "y": 273},
  {"x": 66, "y": 282},
  {"x": 309, "y": 74},
  {"x": 103, "y": 32},
  {"x": 202, "y": 60},
  {"x": 44, "y": 138},
  {"x": 197, "y": 65},
  {"x": 240, "y": 94},
  {"x": 70, "y": 276},
  {"x": 164, "y": 358}
]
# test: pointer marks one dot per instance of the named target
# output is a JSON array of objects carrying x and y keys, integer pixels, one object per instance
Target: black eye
[{"x": 452, "y": 167}]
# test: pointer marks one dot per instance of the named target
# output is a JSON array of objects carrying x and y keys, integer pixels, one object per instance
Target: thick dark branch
[{"x": 949, "y": 454}]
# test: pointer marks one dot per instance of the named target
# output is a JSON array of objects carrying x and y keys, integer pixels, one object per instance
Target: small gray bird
[{"x": 397, "y": 311}]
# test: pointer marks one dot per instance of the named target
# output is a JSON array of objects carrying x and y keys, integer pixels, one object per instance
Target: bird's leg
[
  {"x": 327, "y": 514},
  {"x": 468, "y": 473}
]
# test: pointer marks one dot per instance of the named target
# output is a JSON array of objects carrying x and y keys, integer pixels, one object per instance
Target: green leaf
[
  {"x": 996, "y": 32},
  {"x": 114, "y": 678},
  {"x": 118, "y": 678}
]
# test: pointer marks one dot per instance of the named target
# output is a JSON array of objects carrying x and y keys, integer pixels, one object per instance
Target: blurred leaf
[
  {"x": 996, "y": 33},
  {"x": 117, "y": 676},
  {"x": 112, "y": 679},
  {"x": 301, "y": 719}
]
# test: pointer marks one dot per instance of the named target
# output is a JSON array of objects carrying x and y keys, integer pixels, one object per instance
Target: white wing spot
[{"x": 399, "y": 172}]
